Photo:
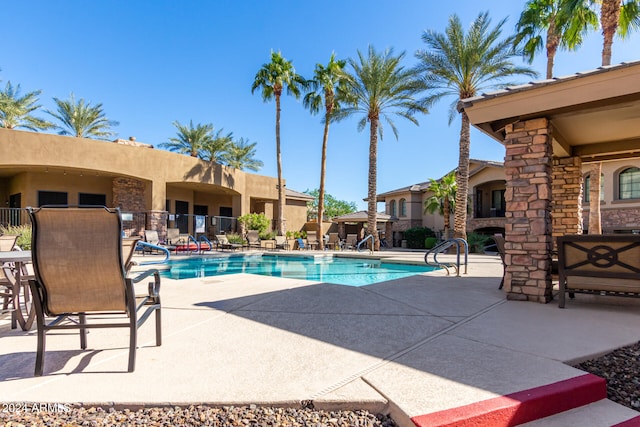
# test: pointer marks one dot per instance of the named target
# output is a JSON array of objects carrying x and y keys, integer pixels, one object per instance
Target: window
[
  {"x": 629, "y": 184},
  {"x": 392, "y": 208},
  {"x": 587, "y": 187},
  {"x": 403, "y": 207},
  {"x": 92, "y": 199},
  {"x": 498, "y": 203},
  {"x": 52, "y": 198}
]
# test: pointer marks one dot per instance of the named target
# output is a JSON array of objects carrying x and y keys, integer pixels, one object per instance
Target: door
[
  {"x": 182, "y": 216},
  {"x": 15, "y": 203}
]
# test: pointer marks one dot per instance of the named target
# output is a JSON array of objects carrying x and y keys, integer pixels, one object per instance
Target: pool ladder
[
  {"x": 363, "y": 241},
  {"x": 443, "y": 246}
]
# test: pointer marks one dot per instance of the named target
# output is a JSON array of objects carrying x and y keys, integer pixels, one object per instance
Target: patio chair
[
  {"x": 499, "y": 239},
  {"x": 301, "y": 244},
  {"x": 80, "y": 272},
  {"x": 253, "y": 239},
  {"x": 312, "y": 240},
  {"x": 281, "y": 242},
  {"x": 173, "y": 236},
  {"x": 8, "y": 242},
  {"x": 151, "y": 237},
  {"x": 128, "y": 249},
  {"x": 223, "y": 243},
  {"x": 334, "y": 241},
  {"x": 351, "y": 241}
]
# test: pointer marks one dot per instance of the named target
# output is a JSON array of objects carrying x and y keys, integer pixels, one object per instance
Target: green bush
[
  {"x": 477, "y": 242},
  {"x": 235, "y": 238},
  {"x": 255, "y": 221},
  {"x": 296, "y": 234},
  {"x": 416, "y": 236},
  {"x": 430, "y": 242},
  {"x": 24, "y": 231},
  {"x": 267, "y": 236}
]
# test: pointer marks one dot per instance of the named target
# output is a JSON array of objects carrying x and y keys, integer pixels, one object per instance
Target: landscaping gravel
[
  {"x": 621, "y": 369},
  {"x": 245, "y": 416}
]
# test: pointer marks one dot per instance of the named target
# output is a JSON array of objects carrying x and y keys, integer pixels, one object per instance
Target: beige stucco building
[{"x": 154, "y": 189}]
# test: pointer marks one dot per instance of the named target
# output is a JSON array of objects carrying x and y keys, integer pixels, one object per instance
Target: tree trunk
[
  {"x": 609, "y": 18},
  {"x": 281, "y": 196},
  {"x": 595, "y": 225},
  {"x": 462, "y": 181},
  {"x": 372, "y": 212},
  {"x": 553, "y": 40},
  {"x": 446, "y": 213},
  {"x": 323, "y": 170}
]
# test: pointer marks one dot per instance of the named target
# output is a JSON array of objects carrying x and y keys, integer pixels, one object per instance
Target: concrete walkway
[{"x": 423, "y": 348}]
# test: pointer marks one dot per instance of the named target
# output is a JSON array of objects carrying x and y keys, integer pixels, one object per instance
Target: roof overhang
[{"x": 594, "y": 115}]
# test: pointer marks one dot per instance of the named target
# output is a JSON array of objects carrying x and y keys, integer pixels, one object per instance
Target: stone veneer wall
[
  {"x": 618, "y": 218},
  {"x": 528, "y": 167},
  {"x": 128, "y": 194},
  {"x": 567, "y": 196}
]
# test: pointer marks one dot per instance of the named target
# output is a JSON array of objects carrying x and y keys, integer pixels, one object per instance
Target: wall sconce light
[{"x": 65, "y": 172}]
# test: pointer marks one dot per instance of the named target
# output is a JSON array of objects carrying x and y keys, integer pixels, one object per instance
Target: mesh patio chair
[
  {"x": 499, "y": 239},
  {"x": 312, "y": 240},
  {"x": 80, "y": 272}
]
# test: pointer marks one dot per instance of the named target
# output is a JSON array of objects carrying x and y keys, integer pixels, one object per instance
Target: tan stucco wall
[{"x": 295, "y": 215}]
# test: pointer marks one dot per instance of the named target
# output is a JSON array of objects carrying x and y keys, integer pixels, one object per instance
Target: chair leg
[
  {"x": 82, "y": 320},
  {"x": 133, "y": 342},
  {"x": 40, "y": 322},
  {"x": 158, "y": 327}
]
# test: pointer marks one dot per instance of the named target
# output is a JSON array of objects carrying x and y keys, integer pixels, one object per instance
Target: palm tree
[
  {"x": 214, "y": 149},
  {"x": 15, "y": 110},
  {"x": 326, "y": 82},
  {"x": 241, "y": 155},
  {"x": 190, "y": 139},
  {"x": 272, "y": 79},
  {"x": 552, "y": 24},
  {"x": 380, "y": 86},
  {"x": 82, "y": 120},
  {"x": 461, "y": 65},
  {"x": 443, "y": 199}
]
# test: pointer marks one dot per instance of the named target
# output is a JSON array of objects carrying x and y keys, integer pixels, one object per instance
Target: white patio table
[{"x": 23, "y": 313}]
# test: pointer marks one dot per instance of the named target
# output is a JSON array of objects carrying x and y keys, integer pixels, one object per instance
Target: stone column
[
  {"x": 528, "y": 169},
  {"x": 567, "y": 196}
]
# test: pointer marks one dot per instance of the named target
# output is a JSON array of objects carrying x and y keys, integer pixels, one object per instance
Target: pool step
[
  {"x": 603, "y": 413},
  {"x": 526, "y": 406}
]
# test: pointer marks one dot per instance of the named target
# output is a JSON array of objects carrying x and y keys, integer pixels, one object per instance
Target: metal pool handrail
[
  {"x": 369, "y": 237},
  {"x": 443, "y": 246},
  {"x": 141, "y": 244},
  {"x": 203, "y": 238}
]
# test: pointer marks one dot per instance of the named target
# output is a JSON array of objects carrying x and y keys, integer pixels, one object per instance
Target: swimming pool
[{"x": 329, "y": 269}]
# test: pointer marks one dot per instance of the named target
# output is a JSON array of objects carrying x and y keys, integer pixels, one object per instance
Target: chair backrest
[
  {"x": 300, "y": 243},
  {"x": 280, "y": 240},
  {"x": 611, "y": 256},
  {"x": 352, "y": 239},
  {"x": 333, "y": 238},
  {"x": 151, "y": 236},
  {"x": 312, "y": 237},
  {"x": 8, "y": 242},
  {"x": 173, "y": 235},
  {"x": 78, "y": 261},
  {"x": 128, "y": 248},
  {"x": 499, "y": 239},
  {"x": 253, "y": 236},
  {"x": 222, "y": 239}
]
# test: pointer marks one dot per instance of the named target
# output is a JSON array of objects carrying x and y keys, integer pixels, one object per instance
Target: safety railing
[
  {"x": 203, "y": 239},
  {"x": 141, "y": 245},
  {"x": 459, "y": 244},
  {"x": 363, "y": 241}
]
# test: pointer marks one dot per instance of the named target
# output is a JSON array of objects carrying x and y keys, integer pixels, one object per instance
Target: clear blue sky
[{"x": 150, "y": 62}]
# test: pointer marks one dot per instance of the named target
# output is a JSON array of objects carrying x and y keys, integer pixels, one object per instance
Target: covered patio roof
[
  {"x": 361, "y": 216},
  {"x": 594, "y": 115}
]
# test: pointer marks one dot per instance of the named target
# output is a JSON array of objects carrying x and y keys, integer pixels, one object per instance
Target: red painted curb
[
  {"x": 633, "y": 422},
  {"x": 521, "y": 407}
]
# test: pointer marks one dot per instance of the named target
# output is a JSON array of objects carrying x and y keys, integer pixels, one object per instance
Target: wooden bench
[{"x": 599, "y": 264}]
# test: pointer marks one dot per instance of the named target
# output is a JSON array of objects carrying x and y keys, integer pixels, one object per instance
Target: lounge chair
[
  {"x": 253, "y": 239},
  {"x": 223, "y": 243},
  {"x": 151, "y": 237},
  {"x": 8, "y": 242},
  {"x": 173, "y": 236},
  {"x": 79, "y": 271},
  {"x": 351, "y": 242},
  {"x": 312, "y": 240},
  {"x": 301, "y": 244},
  {"x": 334, "y": 241},
  {"x": 281, "y": 242}
]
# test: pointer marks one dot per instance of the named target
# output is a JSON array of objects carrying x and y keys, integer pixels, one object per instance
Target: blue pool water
[{"x": 342, "y": 271}]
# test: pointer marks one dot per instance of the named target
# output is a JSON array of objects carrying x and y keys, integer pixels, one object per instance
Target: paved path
[{"x": 411, "y": 347}]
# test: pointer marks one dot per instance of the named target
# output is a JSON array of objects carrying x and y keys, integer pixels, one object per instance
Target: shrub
[
  {"x": 235, "y": 238},
  {"x": 24, "y": 231},
  {"x": 255, "y": 221},
  {"x": 477, "y": 242},
  {"x": 416, "y": 236},
  {"x": 430, "y": 242},
  {"x": 267, "y": 236}
]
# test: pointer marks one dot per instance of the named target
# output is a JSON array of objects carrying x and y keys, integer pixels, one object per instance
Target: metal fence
[{"x": 14, "y": 217}]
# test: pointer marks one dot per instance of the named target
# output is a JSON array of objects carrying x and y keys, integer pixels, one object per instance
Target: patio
[{"x": 424, "y": 349}]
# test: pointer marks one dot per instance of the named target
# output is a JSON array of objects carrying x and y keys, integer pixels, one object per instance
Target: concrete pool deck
[{"x": 428, "y": 349}]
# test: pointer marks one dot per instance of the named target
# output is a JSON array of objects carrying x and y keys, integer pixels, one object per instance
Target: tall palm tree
[
  {"x": 15, "y": 110},
  {"x": 81, "y": 119},
  {"x": 443, "y": 199},
  {"x": 326, "y": 83},
  {"x": 553, "y": 24},
  {"x": 380, "y": 86},
  {"x": 190, "y": 139},
  {"x": 241, "y": 155},
  {"x": 271, "y": 80},
  {"x": 214, "y": 149},
  {"x": 461, "y": 65}
]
